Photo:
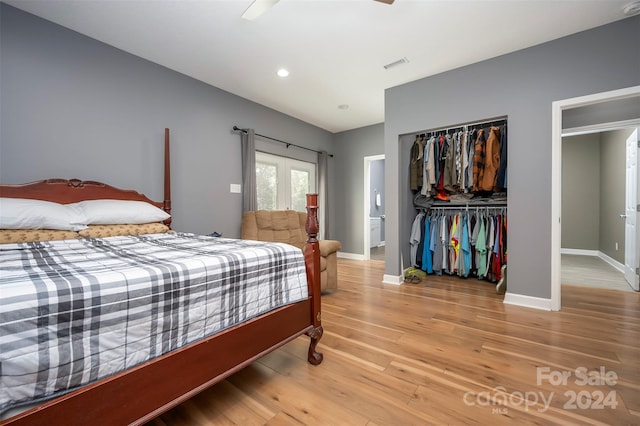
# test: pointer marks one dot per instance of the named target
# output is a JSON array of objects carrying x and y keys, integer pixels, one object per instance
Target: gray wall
[
  {"x": 522, "y": 85},
  {"x": 613, "y": 152},
  {"x": 74, "y": 107},
  {"x": 350, "y": 148},
  {"x": 581, "y": 192}
]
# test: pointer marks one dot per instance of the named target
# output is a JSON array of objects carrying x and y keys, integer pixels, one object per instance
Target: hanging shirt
[
  {"x": 429, "y": 177},
  {"x": 464, "y": 159},
  {"x": 481, "y": 249},
  {"x": 501, "y": 182},
  {"x": 439, "y": 242},
  {"x": 414, "y": 238},
  {"x": 465, "y": 246},
  {"x": 426, "y": 251},
  {"x": 478, "y": 161},
  {"x": 454, "y": 243},
  {"x": 471, "y": 137},
  {"x": 415, "y": 165},
  {"x": 491, "y": 160},
  {"x": 436, "y": 261}
]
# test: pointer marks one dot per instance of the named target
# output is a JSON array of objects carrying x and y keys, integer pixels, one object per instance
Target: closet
[{"x": 458, "y": 178}]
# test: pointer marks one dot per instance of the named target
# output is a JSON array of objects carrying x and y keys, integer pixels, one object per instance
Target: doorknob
[{"x": 623, "y": 216}]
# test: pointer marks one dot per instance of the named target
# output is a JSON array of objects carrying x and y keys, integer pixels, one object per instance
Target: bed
[{"x": 270, "y": 292}]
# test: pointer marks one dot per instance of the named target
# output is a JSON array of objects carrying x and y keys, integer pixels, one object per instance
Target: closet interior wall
[{"x": 458, "y": 178}]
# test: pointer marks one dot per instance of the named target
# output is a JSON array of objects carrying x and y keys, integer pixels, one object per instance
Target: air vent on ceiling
[{"x": 396, "y": 63}]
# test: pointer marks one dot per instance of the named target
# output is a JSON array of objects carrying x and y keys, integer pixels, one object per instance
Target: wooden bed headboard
[{"x": 67, "y": 191}]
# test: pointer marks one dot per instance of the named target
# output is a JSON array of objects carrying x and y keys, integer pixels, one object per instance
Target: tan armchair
[{"x": 288, "y": 226}]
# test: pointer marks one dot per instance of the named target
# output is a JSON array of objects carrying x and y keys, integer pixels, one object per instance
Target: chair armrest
[{"x": 329, "y": 246}]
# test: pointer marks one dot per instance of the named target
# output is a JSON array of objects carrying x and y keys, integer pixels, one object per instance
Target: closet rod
[
  {"x": 288, "y": 144},
  {"x": 460, "y": 125},
  {"x": 469, "y": 206}
]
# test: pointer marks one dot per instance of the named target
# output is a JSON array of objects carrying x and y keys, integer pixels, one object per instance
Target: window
[{"x": 282, "y": 183}]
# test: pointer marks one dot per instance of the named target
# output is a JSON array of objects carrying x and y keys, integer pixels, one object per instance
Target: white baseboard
[
  {"x": 527, "y": 301},
  {"x": 579, "y": 252},
  {"x": 611, "y": 261},
  {"x": 392, "y": 279},
  {"x": 352, "y": 256}
]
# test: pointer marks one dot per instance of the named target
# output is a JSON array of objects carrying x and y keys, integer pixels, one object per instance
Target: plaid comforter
[{"x": 75, "y": 311}]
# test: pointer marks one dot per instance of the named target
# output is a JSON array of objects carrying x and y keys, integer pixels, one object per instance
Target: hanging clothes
[
  {"x": 415, "y": 165},
  {"x": 464, "y": 165},
  {"x": 479, "y": 160},
  {"x": 501, "y": 181},
  {"x": 491, "y": 160},
  {"x": 463, "y": 243},
  {"x": 415, "y": 237}
]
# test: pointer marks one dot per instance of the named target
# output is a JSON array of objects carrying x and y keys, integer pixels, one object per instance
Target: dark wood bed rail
[{"x": 139, "y": 394}]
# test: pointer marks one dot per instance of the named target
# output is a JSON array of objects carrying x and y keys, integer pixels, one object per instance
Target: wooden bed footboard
[{"x": 139, "y": 394}]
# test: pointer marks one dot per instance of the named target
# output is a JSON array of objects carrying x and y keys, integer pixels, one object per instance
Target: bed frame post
[
  {"x": 312, "y": 260},
  {"x": 167, "y": 176}
]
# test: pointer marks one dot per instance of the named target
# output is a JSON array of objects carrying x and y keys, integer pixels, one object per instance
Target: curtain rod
[{"x": 288, "y": 144}]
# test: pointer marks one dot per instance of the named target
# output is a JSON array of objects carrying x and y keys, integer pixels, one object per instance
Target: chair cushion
[
  {"x": 329, "y": 246},
  {"x": 280, "y": 226}
]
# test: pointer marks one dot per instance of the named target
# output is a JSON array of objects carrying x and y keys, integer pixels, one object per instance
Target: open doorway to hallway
[
  {"x": 616, "y": 108},
  {"x": 594, "y": 246},
  {"x": 374, "y": 208}
]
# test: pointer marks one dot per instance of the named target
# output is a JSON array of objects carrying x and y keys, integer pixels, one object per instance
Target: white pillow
[
  {"x": 119, "y": 212},
  {"x": 23, "y": 213}
]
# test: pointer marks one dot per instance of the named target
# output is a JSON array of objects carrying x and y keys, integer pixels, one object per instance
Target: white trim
[
  {"x": 352, "y": 256},
  {"x": 556, "y": 175},
  {"x": 527, "y": 301},
  {"x": 611, "y": 261},
  {"x": 392, "y": 279},
  {"x": 597, "y": 128},
  {"x": 579, "y": 252}
]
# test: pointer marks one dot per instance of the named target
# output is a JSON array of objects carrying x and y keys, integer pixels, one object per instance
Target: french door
[{"x": 282, "y": 183}]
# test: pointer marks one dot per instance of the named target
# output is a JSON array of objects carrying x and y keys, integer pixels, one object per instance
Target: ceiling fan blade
[
  {"x": 257, "y": 8},
  {"x": 386, "y": 1}
]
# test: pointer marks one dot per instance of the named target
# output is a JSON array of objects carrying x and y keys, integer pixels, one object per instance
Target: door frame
[
  {"x": 630, "y": 209},
  {"x": 367, "y": 203},
  {"x": 557, "y": 107}
]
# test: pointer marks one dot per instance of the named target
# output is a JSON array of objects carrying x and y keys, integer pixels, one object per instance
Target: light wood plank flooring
[
  {"x": 377, "y": 253},
  {"x": 446, "y": 351},
  {"x": 591, "y": 271}
]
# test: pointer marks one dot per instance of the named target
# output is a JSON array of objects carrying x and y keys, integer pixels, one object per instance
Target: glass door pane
[
  {"x": 299, "y": 189},
  {"x": 267, "y": 185}
]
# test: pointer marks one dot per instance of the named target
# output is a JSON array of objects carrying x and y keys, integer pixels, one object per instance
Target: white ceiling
[{"x": 335, "y": 49}]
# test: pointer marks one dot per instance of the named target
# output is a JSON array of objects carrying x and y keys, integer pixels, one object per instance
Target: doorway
[
  {"x": 594, "y": 183},
  {"x": 373, "y": 208},
  {"x": 558, "y": 107}
]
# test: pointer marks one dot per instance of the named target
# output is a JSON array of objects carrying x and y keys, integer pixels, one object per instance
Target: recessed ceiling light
[
  {"x": 283, "y": 73},
  {"x": 343, "y": 106},
  {"x": 632, "y": 8}
]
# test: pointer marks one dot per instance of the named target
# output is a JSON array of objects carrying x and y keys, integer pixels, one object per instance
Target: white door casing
[
  {"x": 631, "y": 239},
  {"x": 556, "y": 169}
]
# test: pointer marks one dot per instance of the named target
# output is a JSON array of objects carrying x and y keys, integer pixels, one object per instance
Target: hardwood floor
[
  {"x": 591, "y": 271},
  {"x": 445, "y": 351}
]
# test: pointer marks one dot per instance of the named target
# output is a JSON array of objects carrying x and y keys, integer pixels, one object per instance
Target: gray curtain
[
  {"x": 323, "y": 198},
  {"x": 249, "y": 193}
]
